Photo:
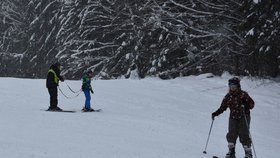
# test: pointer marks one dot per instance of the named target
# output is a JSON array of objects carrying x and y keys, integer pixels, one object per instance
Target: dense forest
[{"x": 139, "y": 38}]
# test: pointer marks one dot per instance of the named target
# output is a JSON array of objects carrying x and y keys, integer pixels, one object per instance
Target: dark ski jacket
[
  {"x": 53, "y": 77},
  {"x": 234, "y": 101},
  {"x": 86, "y": 83}
]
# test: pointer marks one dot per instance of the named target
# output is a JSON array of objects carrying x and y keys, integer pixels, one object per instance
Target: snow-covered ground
[{"x": 149, "y": 118}]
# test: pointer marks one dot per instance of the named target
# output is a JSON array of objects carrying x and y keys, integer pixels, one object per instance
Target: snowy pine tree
[
  {"x": 116, "y": 38},
  {"x": 263, "y": 37}
]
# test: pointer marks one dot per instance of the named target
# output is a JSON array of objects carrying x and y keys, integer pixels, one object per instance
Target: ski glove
[
  {"x": 214, "y": 114},
  {"x": 91, "y": 91}
]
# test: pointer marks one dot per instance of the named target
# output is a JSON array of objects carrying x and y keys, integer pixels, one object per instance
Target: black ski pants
[
  {"x": 238, "y": 128},
  {"x": 53, "y": 97}
]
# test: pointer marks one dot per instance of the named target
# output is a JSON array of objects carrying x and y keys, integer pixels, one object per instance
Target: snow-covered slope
[{"x": 148, "y": 118}]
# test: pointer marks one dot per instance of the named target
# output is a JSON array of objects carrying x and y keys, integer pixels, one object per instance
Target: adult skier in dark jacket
[
  {"x": 52, "y": 82},
  {"x": 239, "y": 102}
]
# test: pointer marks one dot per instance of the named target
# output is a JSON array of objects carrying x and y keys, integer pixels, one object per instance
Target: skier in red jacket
[{"x": 240, "y": 103}]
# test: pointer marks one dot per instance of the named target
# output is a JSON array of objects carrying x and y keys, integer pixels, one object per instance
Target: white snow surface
[
  {"x": 148, "y": 118},
  {"x": 257, "y": 1}
]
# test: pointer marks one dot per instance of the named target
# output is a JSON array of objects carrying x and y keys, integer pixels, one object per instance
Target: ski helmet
[{"x": 235, "y": 81}]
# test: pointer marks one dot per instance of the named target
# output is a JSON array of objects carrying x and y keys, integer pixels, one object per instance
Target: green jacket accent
[
  {"x": 56, "y": 79},
  {"x": 86, "y": 83}
]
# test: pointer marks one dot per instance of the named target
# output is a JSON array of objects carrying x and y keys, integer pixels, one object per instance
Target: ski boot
[
  {"x": 54, "y": 108},
  {"x": 231, "y": 151},
  {"x": 58, "y": 109},
  {"x": 87, "y": 109},
  {"x": 248, "y": 152},
  {"x": 231, "y": 154}
]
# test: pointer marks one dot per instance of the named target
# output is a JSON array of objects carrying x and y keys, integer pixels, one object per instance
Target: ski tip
[
  {"x": 98, "y": 110},
  {"x": 204, "y": 152}
]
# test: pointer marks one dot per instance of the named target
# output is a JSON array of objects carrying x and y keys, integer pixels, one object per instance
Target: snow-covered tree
[
  {"x": 139, "y": 38},
  {"x": 158, "y": 37},
  {"x": 12, "y": 36},
  {"x": 263, "y": 37},
  {"x": 42, "y": 31}
]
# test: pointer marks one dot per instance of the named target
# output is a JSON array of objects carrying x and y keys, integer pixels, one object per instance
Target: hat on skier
[
  {"x": 57, "y": 64},
  {"x": 89, "y": 72},
  {"x": 235, "y": 81}
]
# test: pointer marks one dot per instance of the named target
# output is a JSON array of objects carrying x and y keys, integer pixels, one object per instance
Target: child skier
[
  {"x": 239, "y": 103},
  {"x": 86, "y": 87}
]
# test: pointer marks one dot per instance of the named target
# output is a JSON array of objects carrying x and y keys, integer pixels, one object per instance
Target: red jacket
[{"x": 234, "y": 101}]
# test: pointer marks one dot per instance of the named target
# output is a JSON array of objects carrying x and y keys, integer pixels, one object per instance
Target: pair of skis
[{"x": 73, "y": 111}]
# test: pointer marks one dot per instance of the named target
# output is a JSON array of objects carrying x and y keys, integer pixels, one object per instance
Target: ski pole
[
  {"x": 247, "y": 125},
  {"x": 208, "y": 137}
]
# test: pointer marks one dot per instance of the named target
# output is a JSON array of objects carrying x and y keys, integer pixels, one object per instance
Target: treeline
[{"x": 139, "y": 38}]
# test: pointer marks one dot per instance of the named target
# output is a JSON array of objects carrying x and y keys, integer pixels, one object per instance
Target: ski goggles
[{"x": 233, "y": 86}]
